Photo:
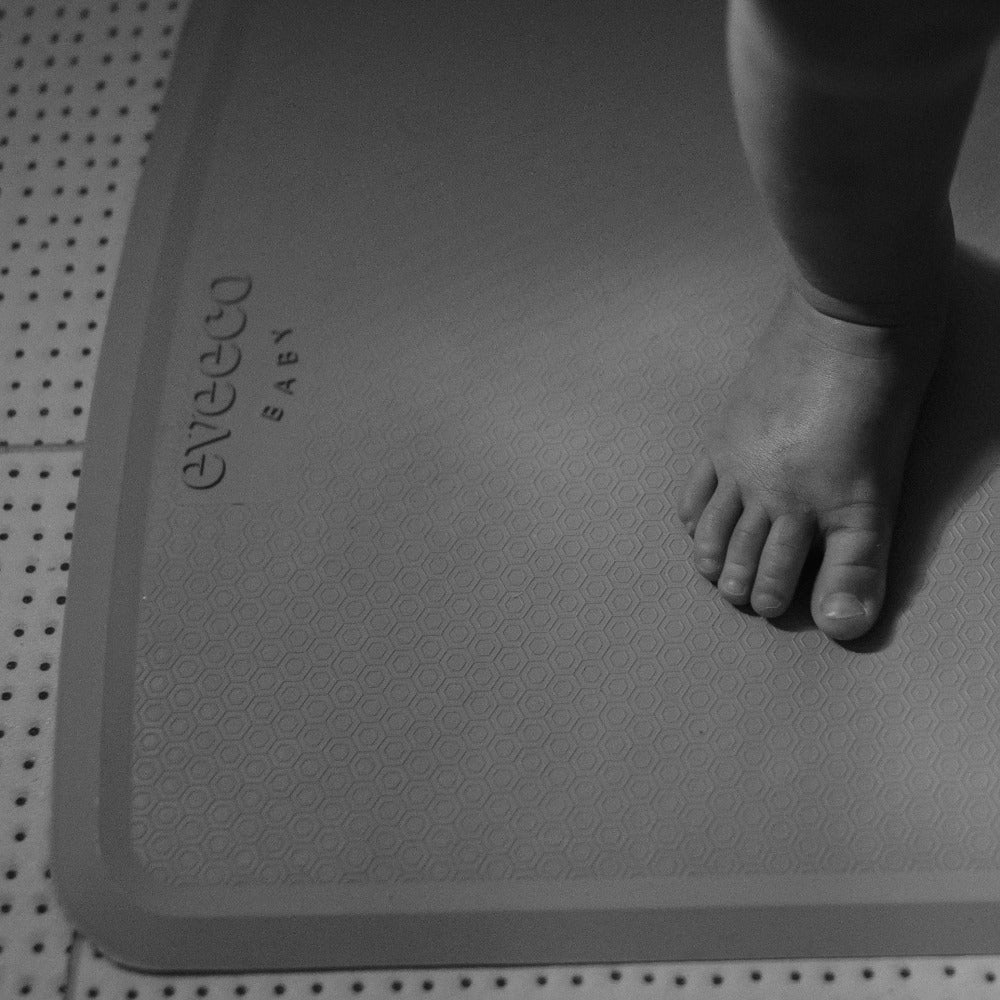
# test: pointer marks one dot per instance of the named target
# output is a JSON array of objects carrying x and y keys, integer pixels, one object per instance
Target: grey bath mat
[{"x": 383, "y": 646}]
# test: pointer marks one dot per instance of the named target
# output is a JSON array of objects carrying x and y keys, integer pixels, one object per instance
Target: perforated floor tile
[
  {"x": 37, "y": 500},
  {"x": 902, "y": 979},
  {"x": 81, "y": 85},
  {"x": 79, "y": 89}
]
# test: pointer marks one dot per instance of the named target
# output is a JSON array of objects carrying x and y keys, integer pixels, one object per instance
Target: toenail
[
  {"x": 732, "y": 586},
  {"x": 765, "y": 605},
  {"x": 708, "y": 566},
  {"x": 842, "y": 606}
]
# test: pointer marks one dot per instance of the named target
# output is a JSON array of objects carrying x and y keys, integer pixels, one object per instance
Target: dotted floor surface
[{"x": 82, "y": 85}]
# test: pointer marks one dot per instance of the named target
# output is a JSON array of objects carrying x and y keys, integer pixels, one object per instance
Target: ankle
[
  {"x": 914, "y": 294},
  {"x": 929, "y": 310}
]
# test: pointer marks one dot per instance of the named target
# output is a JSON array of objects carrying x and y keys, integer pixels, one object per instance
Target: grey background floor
[{"x": 81, "y": 86}]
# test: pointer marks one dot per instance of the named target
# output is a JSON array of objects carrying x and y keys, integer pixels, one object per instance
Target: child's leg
[{"x": 851, "y": 117}]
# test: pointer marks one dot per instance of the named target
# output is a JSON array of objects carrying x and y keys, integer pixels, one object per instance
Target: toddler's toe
[
  {"x": 715, "y": 526},
  {"x": 850, "y": 586},
  {"x": 781, "y": 563},
  {"x": 742, "y": 556},
  {"x": 698, "y": 491}
]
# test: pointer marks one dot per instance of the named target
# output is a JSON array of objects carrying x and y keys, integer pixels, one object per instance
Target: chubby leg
[{"x": 851, "y": 117}]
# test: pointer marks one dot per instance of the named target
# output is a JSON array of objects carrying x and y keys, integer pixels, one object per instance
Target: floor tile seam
[{"x": 41, "y": 449}]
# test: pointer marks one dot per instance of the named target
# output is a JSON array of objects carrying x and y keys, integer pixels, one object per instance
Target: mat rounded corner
[{"x": 109, "y": 904}]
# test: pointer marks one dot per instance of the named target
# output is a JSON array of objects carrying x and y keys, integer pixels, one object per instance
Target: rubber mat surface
[{"x": 383, "y": 646}]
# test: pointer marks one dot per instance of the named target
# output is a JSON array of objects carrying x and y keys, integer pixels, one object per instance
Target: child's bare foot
[{"x": 810, "y": 450}]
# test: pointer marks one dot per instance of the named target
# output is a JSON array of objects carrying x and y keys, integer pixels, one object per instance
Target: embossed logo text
[{"x": 204, "y": 455}]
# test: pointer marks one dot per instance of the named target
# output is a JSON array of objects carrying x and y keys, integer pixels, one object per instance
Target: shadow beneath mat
[{"x": 955, "y": 449}]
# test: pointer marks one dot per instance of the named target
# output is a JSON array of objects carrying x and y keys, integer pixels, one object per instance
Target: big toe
[{"x": 850, "y": 586}]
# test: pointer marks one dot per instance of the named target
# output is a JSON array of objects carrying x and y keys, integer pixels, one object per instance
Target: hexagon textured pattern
[
  {"x": 476, "y": 638},
  {"x": 456, "y": 635}
]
